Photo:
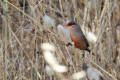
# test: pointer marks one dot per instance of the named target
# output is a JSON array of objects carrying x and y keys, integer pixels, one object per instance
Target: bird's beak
[{"x": 67, "y": 25}]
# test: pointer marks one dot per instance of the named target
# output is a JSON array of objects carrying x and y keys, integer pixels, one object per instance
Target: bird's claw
[{"x": 70, "y": 44}]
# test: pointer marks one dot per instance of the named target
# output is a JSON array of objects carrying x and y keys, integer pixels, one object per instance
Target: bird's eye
[{"x": 70, "y": 24}]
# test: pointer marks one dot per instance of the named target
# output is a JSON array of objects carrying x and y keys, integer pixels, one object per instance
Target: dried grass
[{"x": 22, "y": 32}]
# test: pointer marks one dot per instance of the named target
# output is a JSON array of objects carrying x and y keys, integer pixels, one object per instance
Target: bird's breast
[{"x": 77, "y": 38}]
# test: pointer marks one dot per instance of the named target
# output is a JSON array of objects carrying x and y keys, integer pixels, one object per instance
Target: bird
[
  {"x": 92, "y": 73},
  {"x": 77, "y": 36}
]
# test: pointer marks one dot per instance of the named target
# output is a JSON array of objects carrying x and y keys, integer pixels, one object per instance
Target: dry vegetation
[{"x": 22, "y": 32}]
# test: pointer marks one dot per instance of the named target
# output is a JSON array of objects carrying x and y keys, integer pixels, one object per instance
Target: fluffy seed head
[
  {"x": 60, "y": 68},
  {"x": 48, "y": 21},
  {"x": 79, "y": 75},
  {"x": 47, "y": 47},
  {"x": 91, "y": 37},
  {"x": 64, "y": 32},
  {"x": 50, "y": 58},
  {"x": 49, "y": 70}
]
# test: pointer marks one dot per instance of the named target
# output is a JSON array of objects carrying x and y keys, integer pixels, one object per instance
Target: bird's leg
[{"x": 69, "y": 44}]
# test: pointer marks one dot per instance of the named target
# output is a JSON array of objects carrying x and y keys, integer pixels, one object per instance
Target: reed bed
[{"x": 23, "y": 30}]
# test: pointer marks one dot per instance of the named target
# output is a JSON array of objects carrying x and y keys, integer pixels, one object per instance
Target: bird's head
[{"x": 70, "y": 23}]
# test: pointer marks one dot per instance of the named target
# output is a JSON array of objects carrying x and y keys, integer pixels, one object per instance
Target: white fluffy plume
[
  {"x": 92, "y": 73},
  {"x": 49, "y": 70},
  {"x": 48, "y": 52},
  {"x": 63, "y": 32},
  {"x": 91, "y": 37},
  {"x": 79, "y": 75},
  {"x": 48, "y": 21},
  {"x": 47, "y": 47}
]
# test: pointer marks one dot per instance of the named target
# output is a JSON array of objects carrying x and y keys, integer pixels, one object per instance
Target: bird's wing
[{"x": 84, "y": 38}]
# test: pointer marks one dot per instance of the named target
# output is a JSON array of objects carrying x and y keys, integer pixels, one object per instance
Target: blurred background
[{"x": 26, "y": 24}]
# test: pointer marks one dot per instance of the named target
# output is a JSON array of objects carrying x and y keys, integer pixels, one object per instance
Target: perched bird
[
  {"x": 78, "y": 38},
  {"x": 92, "y": 73}
]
